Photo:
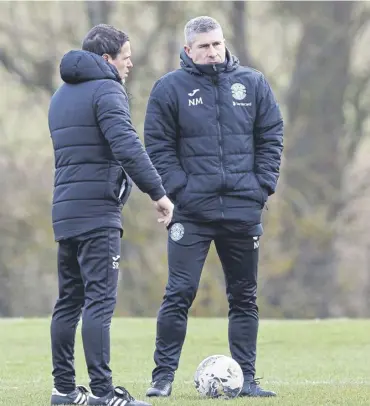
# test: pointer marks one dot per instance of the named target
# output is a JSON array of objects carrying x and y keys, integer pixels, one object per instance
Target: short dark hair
[{"x": 104, "y": 39}]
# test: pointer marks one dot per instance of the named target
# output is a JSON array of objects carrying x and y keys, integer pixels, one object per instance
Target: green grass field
[{"x": 306, "y": 362}]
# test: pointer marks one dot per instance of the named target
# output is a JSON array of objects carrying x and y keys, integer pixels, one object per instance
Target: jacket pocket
[
  {"x": 263, "y": 200},
  {"x": 122, "y": 184},
  {"x": 125, "y": 189},
  {"x": 261, "y": 194},
  {"x": 181, "y": 197}
]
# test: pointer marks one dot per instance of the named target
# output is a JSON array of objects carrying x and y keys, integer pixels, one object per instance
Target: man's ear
[
  {"x": 106, "y": 57},
  {"x": 187, "y": 50}
]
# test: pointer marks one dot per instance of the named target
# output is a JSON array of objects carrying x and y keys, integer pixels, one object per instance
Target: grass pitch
[{"x": 305, "y": 362}]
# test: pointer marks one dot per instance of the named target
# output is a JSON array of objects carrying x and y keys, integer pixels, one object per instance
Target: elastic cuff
[{"x": 157, "y": 193}]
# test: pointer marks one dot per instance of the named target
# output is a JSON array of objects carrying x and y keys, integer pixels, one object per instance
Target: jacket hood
[
  {"x": 232, "y": 62},
  {"x": 81, "y": 66}
]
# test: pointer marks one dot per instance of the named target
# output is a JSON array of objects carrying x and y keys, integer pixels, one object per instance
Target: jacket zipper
[{"x": 221, "y": 153}]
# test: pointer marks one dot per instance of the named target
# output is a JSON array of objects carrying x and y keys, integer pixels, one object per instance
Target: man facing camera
[{"x": 214, "y": 132}]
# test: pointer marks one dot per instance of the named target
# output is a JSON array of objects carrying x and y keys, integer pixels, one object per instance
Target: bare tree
[
  {"x": 99, "y": 12},
  {"x": 239, "y": 23},
  {"x": 315, "y": 165}
]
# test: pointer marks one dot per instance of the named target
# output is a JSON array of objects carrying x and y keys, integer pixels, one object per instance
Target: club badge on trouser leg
[{"x": 177, "y": 231}]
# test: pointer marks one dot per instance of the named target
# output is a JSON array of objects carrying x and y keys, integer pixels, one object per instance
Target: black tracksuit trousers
[
  {"x": 188, "y": 245},
  {"x": 88, "y": 267}
]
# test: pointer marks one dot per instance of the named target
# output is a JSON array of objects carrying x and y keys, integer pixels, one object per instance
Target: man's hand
[{"x": 164, "y": 207}]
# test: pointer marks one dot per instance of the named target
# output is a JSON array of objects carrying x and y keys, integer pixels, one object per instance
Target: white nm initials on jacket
[{"x": 195, "y": 101}]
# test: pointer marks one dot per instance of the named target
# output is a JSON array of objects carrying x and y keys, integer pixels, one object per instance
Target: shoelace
[
  {"x": 256, "y": 381},
  {"x": 123, "y": 393},
  {"x": 82, "y": 389}
]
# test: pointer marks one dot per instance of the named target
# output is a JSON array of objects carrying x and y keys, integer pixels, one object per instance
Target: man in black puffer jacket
[
  {"x": 214, "y": 132},
  {"x": 97, "y": 152}
]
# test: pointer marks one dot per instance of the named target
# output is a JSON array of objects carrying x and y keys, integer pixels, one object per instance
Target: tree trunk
[
  {"x": 99, "y": 12},
  {"x": 314, "y": 166}
]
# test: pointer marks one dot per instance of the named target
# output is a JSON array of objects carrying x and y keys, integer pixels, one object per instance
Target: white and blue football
[{"x": 219, "y": 376}]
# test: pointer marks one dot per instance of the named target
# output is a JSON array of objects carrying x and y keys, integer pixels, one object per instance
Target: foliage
[{"x": 313, "y": 54}]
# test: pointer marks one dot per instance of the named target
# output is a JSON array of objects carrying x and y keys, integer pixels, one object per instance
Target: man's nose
[{"x": 212, "y": 52}]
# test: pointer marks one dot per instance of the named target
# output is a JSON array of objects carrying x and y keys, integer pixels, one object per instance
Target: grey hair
[{"x": 199, "y": 25}]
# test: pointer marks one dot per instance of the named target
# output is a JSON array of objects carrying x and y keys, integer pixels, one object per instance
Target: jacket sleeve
[
  {"x": 160, "y": 131},
  {"x": 268, "y": 135},
  {"x": 113, "y": 116}
]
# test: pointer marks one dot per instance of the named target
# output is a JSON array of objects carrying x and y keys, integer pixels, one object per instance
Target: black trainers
[
  {"x": 253, "y": 389},
  {"x": 160, "y": 388},
  {"x": 117, "y": 397},
  {"x": 77, "y": 397}
]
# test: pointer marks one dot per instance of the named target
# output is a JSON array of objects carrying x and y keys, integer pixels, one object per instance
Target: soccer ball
[{"x": 219, "y": 376}]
